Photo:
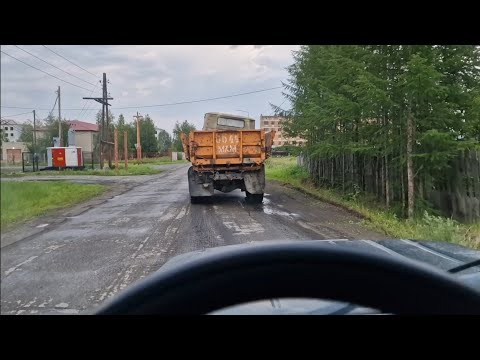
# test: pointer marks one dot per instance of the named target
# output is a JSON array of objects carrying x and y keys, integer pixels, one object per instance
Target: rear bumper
[{"x": 203, "y": 183}]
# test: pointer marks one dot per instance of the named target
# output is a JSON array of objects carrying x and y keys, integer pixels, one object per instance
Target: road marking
[
  {"x": 30, "y": 303},
  {"x": 230, "y": 222},
  {"x": 12, "y": 269},
  {"x": 244, "y": 229},
  {"x": 41, "y": 225},
  {"x": 140, "y": 246},
  {"x": 68, "y": 311},
  {"x": 182, "y": 213},
  {"x": 52, "y": 248}
]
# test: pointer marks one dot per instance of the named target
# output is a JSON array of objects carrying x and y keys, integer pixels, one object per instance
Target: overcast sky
[{"x": 145, "y": 75}]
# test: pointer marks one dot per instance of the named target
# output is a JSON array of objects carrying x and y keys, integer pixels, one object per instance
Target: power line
[
  {"x": 85, "y": 104},
  {"x": 88, "y": 111},
  {"x": 53, "y": 108},
  {"x": 13, "y": 57},
  {"x": 169, "y": 104},
  {"x": 196, "y": 101},
  {"x": 6, "y": 116},
  {"x": 46, "y": 62},
  {"x": 279, "y": 106},
  {"x": 63, "y": 57}
]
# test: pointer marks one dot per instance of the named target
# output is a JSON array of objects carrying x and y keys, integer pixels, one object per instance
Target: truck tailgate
[{"x": 227, "y": 147}]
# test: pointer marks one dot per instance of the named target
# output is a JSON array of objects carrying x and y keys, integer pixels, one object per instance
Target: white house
[{"x": 12, "y": 128}]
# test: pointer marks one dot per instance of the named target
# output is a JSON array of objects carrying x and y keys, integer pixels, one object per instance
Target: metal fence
[
  {"x": 33, "y": 162},
  {"x": 89, "y": 159}
]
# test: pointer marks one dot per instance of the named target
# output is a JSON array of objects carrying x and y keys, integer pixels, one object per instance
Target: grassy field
[
  {"x": 161, "y": 160},
  {"x": 21, "y": 201},
  {"x": 133, "y": 169},
  {"x": 427, "y": 227}
]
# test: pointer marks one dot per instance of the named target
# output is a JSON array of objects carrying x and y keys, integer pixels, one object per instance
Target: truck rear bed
[{"x": 227, "y": 149}]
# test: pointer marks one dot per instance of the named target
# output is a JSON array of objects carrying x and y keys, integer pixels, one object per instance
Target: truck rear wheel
[
  {"x": 254, "y": 198},
  {"x": 195, "y": 199}
]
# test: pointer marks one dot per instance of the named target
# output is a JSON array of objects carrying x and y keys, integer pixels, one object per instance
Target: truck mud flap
[
  {"x": 255, "y": 181},
  {"x": 196, "y": 185}
]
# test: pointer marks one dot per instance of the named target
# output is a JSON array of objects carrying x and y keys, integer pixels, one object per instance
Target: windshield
[
  {"x": 230, "y": 122},
  {"x": 112, "y": 166}
]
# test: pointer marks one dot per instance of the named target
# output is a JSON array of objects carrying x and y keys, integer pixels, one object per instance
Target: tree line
[
  {"x": 153, "y": 140},
  {"x": 386, "y": 119}
]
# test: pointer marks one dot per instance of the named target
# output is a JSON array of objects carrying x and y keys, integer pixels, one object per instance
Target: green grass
[
  {"x": 14, "y": 174},
  {"x": 21, "y": 201},
  {"x": 161, "y": 160},
  {"x": 426, "y": 227},
  {"x": 133, "y": 169}
]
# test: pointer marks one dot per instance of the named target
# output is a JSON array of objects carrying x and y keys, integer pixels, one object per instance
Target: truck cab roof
[{"x": 224, "y": 121}]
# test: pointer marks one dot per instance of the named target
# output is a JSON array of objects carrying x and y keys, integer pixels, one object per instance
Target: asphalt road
[{"x": 73, "y": 260}]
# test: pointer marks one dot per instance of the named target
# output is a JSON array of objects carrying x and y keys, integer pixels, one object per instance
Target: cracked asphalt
[{"x": 71, "y": 261}]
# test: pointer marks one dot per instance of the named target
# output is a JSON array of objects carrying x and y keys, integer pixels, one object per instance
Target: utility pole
[
  {"x": 116, "y": 149},
  {"x": 107, "y": 122},
  {"x": 35, "y": 158},
  {"x": 125, "y": 149},
  {"x": 59, "y": 120},
  {"x": 104, "y": 129},
  {"x": 34, "y": 134},
  {"x": 139, "y": 146}
]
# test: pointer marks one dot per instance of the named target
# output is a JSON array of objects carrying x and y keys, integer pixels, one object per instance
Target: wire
[
  {"x": 53, "y": 108},
  {"x": 88, "y": 111},
  {"x": 279, "y": 106},
  {"x": 196, "y": 101},
  {"x": 13, "y": 57},
  {"x": 28, "y": 112},
  {"x": 63, "y": 57},
  {"x": 46, "y": 62},
  {"x": 167, "y": 104},
  {"x": 85, "y": 104}
]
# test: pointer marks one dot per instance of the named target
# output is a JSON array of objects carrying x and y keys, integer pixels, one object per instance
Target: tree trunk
[
  {"x": 387, "y": 184},
  {"x": 410, "y": 180},
  {"x": 402, "y": 184},
  {"x": 382, "y": 176},
  {"x": 352, "y": 171},
  {"x": 331, "y": 174},
  {"x": 421, "y": 185}
]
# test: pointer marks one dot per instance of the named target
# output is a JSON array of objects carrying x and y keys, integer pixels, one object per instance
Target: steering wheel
[{"x": 296, "y": 270}]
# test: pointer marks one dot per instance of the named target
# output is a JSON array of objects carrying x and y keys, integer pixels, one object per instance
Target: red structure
[{"x": 65, "y": 157}]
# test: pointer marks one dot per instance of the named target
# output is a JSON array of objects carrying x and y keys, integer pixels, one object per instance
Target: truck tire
[
  {"x": 254, "y": 198},
  {"x": 195, "y": 199}
]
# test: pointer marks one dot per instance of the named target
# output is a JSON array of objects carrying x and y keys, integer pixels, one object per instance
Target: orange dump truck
[{"x": 228, "y": 154}]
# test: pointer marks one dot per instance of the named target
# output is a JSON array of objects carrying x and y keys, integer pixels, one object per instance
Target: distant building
[
  {"x": 280, "y": 138},
  {"x": 41, "y": 132},
  {"x": 12, "y": 128},
  {"x": 12, "y": 152},
  {"x": 83, "y": 134}
]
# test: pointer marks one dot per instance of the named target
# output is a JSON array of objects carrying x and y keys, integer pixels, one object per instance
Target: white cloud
[{"x": 146, "y": 75}]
